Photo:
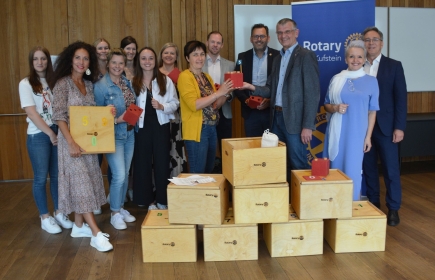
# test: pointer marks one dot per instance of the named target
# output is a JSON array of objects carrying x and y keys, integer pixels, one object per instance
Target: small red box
[
  {"x": 132, "y": 114},
  {"x": 254, "y": 101},
  {"x": 320, "y": 167},
  {"x": 236, "y": 77}
]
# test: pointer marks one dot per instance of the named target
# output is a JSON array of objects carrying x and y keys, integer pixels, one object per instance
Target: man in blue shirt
[{"x": 256, "y": 65}]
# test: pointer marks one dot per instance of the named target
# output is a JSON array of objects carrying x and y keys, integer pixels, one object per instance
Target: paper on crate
[{"x": 192, "y": 180}]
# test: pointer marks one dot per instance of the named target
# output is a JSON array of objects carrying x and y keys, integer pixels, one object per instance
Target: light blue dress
[{"x": 362, "y": 96}]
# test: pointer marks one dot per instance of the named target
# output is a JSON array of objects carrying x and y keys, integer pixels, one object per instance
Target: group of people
[{"x": 190, "y": 112}]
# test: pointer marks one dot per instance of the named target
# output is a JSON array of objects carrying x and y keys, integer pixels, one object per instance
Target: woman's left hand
[
  {"x": 156, "y": 105},
  {"x": 367, "y": 144},
  {"x": 112, "y": 109}
]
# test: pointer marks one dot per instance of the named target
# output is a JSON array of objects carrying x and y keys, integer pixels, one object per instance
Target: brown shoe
[{"x": 393, "y": 218}]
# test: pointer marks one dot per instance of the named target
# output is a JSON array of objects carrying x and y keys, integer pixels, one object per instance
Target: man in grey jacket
[
  {"x": 216, "y": 66},
  {"x": 294, "y": 91}
]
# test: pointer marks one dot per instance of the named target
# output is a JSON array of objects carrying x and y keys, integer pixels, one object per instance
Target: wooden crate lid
[
  {"x": 159, "y": 219},
  {"x": 272, "y": 185},
  {"x": 229, "y": 222},
  {"x": 247, "y": 143},
  {"x": 220, "y": 180},
  {"x": 366, "y": 210},
  {"x": 335, "y": 176}
]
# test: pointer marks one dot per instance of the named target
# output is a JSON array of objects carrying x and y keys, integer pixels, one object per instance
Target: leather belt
[
  {"x": 129, "y": 127},
  {"x": 278, "y": 108}
]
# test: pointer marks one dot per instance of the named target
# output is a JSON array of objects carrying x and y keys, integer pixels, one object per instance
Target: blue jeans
[
  {"x": 296, "y": 150},
  {"x": 200, "y": 155},
  {"x": 43, "y": 156},
  {"x": 119, "y": 163}
]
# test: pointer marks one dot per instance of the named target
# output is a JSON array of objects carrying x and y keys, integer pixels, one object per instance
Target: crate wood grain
[
  {"x": 265, "y": 203},
  {"x": 92, "y": 128},
  {"x": 164, "y": 242},
  {"x": 321, "y": 199},
  {"x": 199, "y": 204},
  {"x": 230, "y": 241},
  {"x": 364, "y": 232},
  {"x": 244, "y": 162}
]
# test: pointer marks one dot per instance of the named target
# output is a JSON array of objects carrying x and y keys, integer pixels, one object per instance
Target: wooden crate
[
  {"x": 364, "y": 232},
  {"x": 321, "y": 199},
  {"x": 164, "y": 242},
  {"x": 230, "y": 241},
  {"x": 266, "y": 203},
  {"x": 244, "y": 162},
  {"x": 92, "y": 128},
  {"x": 295, "y": 237},
  {"x": 199, "y": 204}
]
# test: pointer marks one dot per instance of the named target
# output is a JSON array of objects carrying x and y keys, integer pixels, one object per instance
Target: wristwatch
[
  {"x": 115, "y": 121},
  {"x": 227, "y": 96}
]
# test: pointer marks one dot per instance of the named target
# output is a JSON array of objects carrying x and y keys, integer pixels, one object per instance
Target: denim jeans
[
  {"x": 119, "y": 163},
  {"x": 296, "y": 150},
  {"x": 201, "y": 155},
  {"x": 43, "y": 156}
]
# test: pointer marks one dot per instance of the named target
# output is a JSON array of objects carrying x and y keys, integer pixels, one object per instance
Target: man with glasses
[
  {"x": 256, "y": 65},
  {"x": 294, "y": 91},
  {"x": 389, "y": 127}
]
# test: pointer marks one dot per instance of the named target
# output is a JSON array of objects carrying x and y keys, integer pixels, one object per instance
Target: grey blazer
[
  {"x": 300, "y": 92},
  {"x": 226, "y": 66}
]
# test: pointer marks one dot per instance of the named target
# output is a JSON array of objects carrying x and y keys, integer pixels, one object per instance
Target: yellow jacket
[{"x": 191, "y": 118}]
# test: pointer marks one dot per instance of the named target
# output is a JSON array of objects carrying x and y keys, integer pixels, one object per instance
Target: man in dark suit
[
  {"x": 389, "y": 127},
  {"x": 256, "y": 65},
  {"x": 294, "y": 91}
]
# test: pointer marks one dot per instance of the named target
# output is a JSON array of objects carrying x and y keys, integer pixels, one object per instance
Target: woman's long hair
[
  {"x": 33, "y": 77},
  {"x": 138, "y": 86},
  {"x": 63, "y": 64}
]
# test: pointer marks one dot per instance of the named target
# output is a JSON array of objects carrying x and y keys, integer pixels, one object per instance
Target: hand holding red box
[
  {"x": 254, "y": 101},
  {"x": 236, "y": 77},
  {"x": 320, "y": 167},
  {"x": 132, "y": 114}
]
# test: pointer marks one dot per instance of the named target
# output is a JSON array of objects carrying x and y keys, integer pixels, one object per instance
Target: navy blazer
[
  {"x": 300, "y": 92},
  {"x": 247, "y": 64},
  {"x": 392, "y": 96}
]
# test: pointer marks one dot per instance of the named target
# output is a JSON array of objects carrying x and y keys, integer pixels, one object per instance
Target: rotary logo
[
  {"x": 234, "y": 242},
  {"x": 210, "y": 194},
  {"x": 353, "y": 37},
  {"x": 172, "y": 244}
]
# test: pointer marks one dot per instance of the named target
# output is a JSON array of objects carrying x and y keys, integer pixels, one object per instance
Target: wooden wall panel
[{"x": 56, "y": 23}]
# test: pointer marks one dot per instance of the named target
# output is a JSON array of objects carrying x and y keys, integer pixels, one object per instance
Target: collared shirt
[
  {"x": 214, "y": 69},
  {"x": 259, "y": 69},
  {"x": 372, "y": 69},
  {"x": 282, "y": 70}
]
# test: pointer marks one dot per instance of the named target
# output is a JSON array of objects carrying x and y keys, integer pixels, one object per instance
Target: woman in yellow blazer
[{"x": 200, "y": 103}]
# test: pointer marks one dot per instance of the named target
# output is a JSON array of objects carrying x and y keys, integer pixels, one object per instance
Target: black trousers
[{"x": 151, "y": 157}]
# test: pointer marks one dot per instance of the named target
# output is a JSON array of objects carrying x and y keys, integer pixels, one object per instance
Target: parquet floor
[{"x": 27, "y": 252}]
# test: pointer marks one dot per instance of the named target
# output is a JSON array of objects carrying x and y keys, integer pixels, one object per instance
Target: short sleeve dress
[
  {"x": 362, "y": 96},
  {"x": 81, "y": 188}
]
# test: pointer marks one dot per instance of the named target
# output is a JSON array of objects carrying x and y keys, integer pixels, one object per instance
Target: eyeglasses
[
  {"x": 287, "y": 32},
  {"x": 374, "y": 40},
  {"x": 351, "y": 87},
  {"x": 256, "y": 37}
]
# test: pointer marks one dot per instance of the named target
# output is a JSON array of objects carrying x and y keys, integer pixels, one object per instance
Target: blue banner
[{"x": 326, "y": 27}]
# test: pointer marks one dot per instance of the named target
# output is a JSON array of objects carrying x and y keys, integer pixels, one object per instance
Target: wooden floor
[{"x": 27, "y": 252}]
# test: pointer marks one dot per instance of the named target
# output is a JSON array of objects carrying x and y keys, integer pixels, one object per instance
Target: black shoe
[{"x": 393, "y": 218}]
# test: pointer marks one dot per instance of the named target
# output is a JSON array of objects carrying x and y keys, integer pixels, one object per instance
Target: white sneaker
[
  {"x": 101, "y": 242},
  {"x": 153, "y": 207},
  {"x": 130, "y": 194},
  {"x": 97, "y": 212},
  {"x": 117, "y": 221},
  {"x": 161, "y": 206},
  {"x": 63, "y": 220},
  {"x": 49, "y": 225},
  {"x": 84, "y": 231},
  {"x": 127, "y": 216}
]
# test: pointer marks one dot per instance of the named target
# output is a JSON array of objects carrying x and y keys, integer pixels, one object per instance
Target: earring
[{"x": 88, "y": 72}]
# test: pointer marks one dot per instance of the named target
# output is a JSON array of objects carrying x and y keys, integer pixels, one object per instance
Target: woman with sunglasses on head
[{"x": 36, "y": 99}]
